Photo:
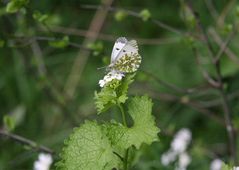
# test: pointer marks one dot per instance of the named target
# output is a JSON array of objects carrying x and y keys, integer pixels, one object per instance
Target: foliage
[
  {"x": 94, "y": 146},
  {"x": 45, "y": 52}
]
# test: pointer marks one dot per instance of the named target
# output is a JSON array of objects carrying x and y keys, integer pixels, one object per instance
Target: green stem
[
  {"x": 125, "y": 124},
  {"x": 123, "y": 114},
  {"x": 126, "y": 159}
]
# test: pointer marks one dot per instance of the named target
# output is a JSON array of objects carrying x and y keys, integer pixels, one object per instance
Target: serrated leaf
[
  {"x": 88, "y": 148},
  {"x": 143, "y": 130},
  {"x": 108, "y": 96}
]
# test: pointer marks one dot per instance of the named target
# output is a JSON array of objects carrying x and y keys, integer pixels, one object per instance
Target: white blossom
[
  {"x": 183, "y": 161},
  {"x": 44, "y": 162},
  {"x": 168, "y": 157},
  {"x": 112, "y": 75},
  {"x": 181, "y": 140},
  {"x": 216, "y": 164},
  {"x": 235, "y": 168},
  {"x": 177, "y": 151}
]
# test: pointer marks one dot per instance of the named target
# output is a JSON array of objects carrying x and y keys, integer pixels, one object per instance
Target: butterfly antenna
[{"x": 101, "y": 68}]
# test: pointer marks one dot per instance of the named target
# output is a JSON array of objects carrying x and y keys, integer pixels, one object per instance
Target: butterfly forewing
[{"x": 119, "y": 44}]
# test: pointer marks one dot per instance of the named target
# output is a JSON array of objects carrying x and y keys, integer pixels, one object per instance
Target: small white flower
[
  {"x": 178, "y": 150},
  {"x": 181, "y": 140},
  {"x": 112, "y": 75},
  {"x": 44, "y": 162},
  {"x": 183, "y": 161},
  {"x": 168, "y": 157},
  {"x": 235, "y": 168},
  {"x": 216, "y": 164}
]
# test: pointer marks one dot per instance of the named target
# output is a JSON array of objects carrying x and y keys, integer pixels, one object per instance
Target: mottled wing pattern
[
  {"x": 128, "y": 63},
  {"x": 128, "y": 59}
]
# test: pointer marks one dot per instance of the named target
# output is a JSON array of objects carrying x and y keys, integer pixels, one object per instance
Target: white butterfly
[{"x": 125, "y": 57}]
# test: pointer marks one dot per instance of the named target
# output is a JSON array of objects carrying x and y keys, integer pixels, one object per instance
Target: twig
[
  {"x": 190, "y": 103},
  {"x": 227, "y": 112},
  {"x": 134, "y": 14},
  {"x": 39, "y": 58},
  {"x": 30, "y": 40},
  {"x": 227, "y": 8},
  {"x": 167, "y": 84},
  {"x": 211, "y": 9},
  {"x": 205, "y": 74},
  {"x": 25, "y": 141},
  {"x": 217, "y": 39},
  {"x": 112, "y": 38},
  {"x": 224, "y": 45}
]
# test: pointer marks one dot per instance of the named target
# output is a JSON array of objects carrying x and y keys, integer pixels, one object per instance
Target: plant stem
[
  {"x": 123, "y": 114},
  {"x": 126, "y": 159},
  {"x": 125, "y": 124}
]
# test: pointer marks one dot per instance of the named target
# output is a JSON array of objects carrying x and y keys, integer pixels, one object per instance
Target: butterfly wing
[
  {"x": 128, "y": 59},
  {"x": 119, "y": 44}
]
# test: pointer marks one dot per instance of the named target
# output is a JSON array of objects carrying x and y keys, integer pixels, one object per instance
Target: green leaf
[
  {"x": 226, "y": 167},
  {"x": 88, "y": 148},
  {"x": 2, "y": 43},
  {"x": 96, "y": 47},
  {"x": 64, "y": 42},
  {"x": 120, "y": 15},
  {"x": 15, "y": 5},
  {"x": 143, "y": 130},
  {"x": 38, "y": 16},
  {"x": 109, "y": 96},
  {"x": 9, "y": 123},
  {"x": 145, "y": 14}
]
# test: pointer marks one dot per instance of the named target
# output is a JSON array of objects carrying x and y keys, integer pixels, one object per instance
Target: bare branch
[
  {"x": 134, "y": 14},
  {"x": 231, "y": 55},
  {"x": 25, "y": 141},
  {"x": 225, "y": 105}
]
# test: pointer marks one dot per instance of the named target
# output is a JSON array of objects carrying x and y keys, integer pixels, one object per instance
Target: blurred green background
[{"x": 42, "y": 40}]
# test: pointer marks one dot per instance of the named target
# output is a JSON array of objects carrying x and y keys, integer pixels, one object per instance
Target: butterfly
[{"x": 125, "y": 57}]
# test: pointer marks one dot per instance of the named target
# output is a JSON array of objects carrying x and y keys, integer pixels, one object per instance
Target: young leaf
[
  {"x": 15, "y": 5},
  {"x": 2, "y": 42},
  {"x": 9, "y": 122},
  {"x": 88, "y": 148},
  {"x": 38, "y": 16},
  {"x": 120, "y": 15},
  {"x": 145, "y": 14},
  {"x": 109, "y": 96},
  {"x": 64, "y": 42},
  {"x": 143, "y": 130}
]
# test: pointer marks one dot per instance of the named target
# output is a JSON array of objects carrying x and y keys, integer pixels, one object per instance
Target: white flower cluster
[
  {"x": 112, "y": 75},
  {"x": 178, "y": 150},
  {"x": 44, "y": 162},
  {"x": 217, "y": 164}
]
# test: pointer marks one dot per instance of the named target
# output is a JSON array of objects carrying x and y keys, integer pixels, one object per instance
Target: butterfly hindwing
[
  {"x": 128, "y": 63},
  {"x": 125, "y": 57}
]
